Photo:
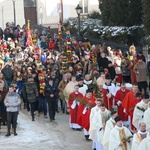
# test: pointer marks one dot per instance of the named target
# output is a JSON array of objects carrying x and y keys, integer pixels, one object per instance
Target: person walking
[
  {"x": 30, "y": 92},
  {"x": 50, "y": 93},
  {"x": 12, "y": 102}
]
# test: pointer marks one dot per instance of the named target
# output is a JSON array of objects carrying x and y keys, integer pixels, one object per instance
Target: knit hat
[{"x": 53, "y": 74}]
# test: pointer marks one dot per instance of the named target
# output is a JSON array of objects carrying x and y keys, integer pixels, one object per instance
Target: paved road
[{"x": 44, "y": 135}]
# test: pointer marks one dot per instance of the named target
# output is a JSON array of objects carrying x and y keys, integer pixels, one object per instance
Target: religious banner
[{"x": 29, "y": 41}]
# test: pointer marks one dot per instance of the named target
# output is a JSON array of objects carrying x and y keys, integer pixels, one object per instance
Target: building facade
[
  {"x": 50, "y": 12},
  {"x": 42, "y": 11},
  {"x": 7, "y": 12}
]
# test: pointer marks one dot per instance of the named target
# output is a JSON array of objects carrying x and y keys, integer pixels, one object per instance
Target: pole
[
  {"x": 61, "y": 7},
  {"x": 3, "y": 17},
  {"x": 79, "y": 24},
  {"x": 14, "y": 12}
]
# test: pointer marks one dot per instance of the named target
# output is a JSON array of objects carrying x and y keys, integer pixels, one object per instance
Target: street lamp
[
  {"x": 78, "y": 10},
  {"x": 14, "y": 11}
]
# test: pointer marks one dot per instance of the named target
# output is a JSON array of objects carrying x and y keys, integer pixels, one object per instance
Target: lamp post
[
  {"x": 78, "y": 10},
  {"x": 14, "y": 11}
]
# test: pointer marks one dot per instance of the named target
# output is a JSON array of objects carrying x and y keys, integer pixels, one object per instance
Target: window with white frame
[
  {"x": 84, "y": 5},
  {"x": 29, "y": 3}
]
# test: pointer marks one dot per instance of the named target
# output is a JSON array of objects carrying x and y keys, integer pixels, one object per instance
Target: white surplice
[
  {"x": 138, "y": 114},
  {"x": 93, "y": 126},
  {"x": 145, "y": 144},
  {"x": 83, "y": 89},
  {"x": 114, "y": 138},
  {"x": 109, "y": 126},
  {"x": 146, "y": 118},
  {"x": 137, "y": 140}
]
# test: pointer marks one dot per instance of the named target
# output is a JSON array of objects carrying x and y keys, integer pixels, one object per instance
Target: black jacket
[{"x": 50, "y": 90}]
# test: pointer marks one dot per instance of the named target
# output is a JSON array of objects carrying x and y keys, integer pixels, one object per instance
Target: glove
[
  {"x": 119, "y": 103},
  {"x": 108, "y": 95}
]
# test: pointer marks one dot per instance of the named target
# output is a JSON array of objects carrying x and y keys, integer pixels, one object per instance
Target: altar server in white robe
[
  {"x": 120, "y": 137},
  {"x": 139, "y": 136},
  {"x": 145, "y": 144},
  {"x": 139, "y": 110},
  {"x": 110, "y": 124},
  {"x": 93, "y": 126},
  {"x": 146, "y": 117}
]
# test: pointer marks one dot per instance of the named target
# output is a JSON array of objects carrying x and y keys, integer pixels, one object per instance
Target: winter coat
[
  {"x": 14, "y": 100},
  {"x": 8, "y": 73},
  {"x": 102, "y": 62},
  {"x": 140, "y": 69},
  {"x": 125, "y": 67},
  {"x": 50, "y": 89},
  {"x": 30, "y": 91}
]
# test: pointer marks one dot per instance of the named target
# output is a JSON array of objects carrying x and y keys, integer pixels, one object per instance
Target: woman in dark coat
[{"x": 30, "y": 93}]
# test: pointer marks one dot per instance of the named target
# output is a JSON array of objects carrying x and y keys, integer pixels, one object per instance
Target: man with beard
[
  {"x": 73, "y": 102},
  {"x": 118, "y": 99},
  {"x": 139, "y": 136},
  {"x": 120, "y": 136}
]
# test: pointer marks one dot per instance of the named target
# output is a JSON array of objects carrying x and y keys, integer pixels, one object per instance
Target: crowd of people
[{"x": 105, "y": 90}]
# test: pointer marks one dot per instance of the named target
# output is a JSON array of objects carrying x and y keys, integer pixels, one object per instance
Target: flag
[{"x": 29, "y": 41}]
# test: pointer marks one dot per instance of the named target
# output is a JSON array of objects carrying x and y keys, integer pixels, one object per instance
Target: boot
[
  {"x": 8, "y": 133},
  {"x": 15, "y": 134},
  {"x": 33, "y": 119},
  {"x": 87, "y": 137}
]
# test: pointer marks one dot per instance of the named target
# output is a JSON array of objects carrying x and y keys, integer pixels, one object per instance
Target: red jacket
[{"x": 51, "y": 45}]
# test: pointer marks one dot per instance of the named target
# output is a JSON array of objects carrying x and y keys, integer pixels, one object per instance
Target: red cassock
[
  {"x": 86, "y": 117},
  {"x": 131, "y": 110},
  {"x": 79, "y": 116},
  {"x": 111, "y": 89},
  {"x": 127, "y": 100},
  {"x": 74, "y": 112},
  {"x": 119, "y": 97}
]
